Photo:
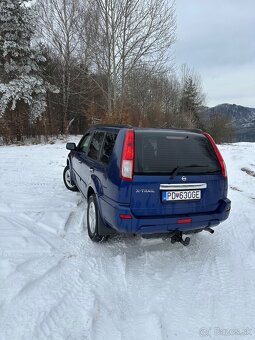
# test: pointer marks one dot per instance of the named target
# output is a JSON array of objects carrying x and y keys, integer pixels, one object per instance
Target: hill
[{"x": 243, "y": 120}]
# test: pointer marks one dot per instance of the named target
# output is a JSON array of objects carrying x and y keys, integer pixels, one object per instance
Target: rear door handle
[{"x": 91, "y": 169}]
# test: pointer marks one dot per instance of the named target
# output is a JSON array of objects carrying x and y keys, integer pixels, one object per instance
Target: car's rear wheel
[
  {"x": 68, "y": 180},
  {"x": 93, "y": 220}
]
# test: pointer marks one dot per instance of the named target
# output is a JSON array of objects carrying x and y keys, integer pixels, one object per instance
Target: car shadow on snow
[{"x": 134, "y": 246}]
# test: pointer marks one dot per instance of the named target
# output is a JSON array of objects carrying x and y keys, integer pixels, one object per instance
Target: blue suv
[{"x": 148, "y": 181}]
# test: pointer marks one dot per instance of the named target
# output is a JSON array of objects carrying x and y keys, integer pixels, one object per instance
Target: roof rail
[
  {"x": 128, "y": 126},
  {"x": 195, "y": 130},
  {"x": 118, "y": 126},
  {"x": 186, "y": 129}
]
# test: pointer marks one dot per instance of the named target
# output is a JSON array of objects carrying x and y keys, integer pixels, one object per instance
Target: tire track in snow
[
  {"x": 78, "y": 299},
  {"x": 27, "y": 272},
  {"x": 125, "y": 289},
  {"x": 75, "y": 218},
  {"x": 23, "y": 221},
  {"x": 24, "y": 289},
  {"x": 75, "y": 293},
  {"x": 70, "y": 297},
  {"x": 130, "y": 295}
]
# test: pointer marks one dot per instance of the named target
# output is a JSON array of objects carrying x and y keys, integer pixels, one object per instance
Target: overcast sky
[{"x": 217, "y": 39}]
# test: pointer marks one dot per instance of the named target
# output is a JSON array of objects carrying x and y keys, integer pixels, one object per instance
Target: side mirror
[{"x": 71, "y": 146}]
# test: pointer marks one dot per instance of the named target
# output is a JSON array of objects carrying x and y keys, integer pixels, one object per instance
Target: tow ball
[{"x": 177, "y": 237}]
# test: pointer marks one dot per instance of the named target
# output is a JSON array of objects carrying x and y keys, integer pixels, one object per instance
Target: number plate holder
[{"x": 181, "y": 195}]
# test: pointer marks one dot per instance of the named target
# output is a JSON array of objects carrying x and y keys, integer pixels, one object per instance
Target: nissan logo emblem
[{"x": 184, "y": 179}]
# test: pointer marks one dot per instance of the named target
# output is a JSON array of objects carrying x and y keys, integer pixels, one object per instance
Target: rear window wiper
[{"x": 178, "y": 168}]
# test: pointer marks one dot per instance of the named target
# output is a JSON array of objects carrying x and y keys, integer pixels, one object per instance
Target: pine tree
[
  {"x": 21, "y": 86},
  {"x": 191, "y": 100}
]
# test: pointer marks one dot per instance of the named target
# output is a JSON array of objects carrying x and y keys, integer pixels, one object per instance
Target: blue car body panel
[{"x": 141, "y": 198}]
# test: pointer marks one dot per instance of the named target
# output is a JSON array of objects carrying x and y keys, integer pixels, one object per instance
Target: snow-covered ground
[{"x": 56, "y": 284}]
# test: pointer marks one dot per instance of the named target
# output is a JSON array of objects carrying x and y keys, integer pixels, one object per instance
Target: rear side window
[
  {"x": 95, "y": 145},
  {"x": 162, "y": 152},
  {"x": 108, "y": 146}
]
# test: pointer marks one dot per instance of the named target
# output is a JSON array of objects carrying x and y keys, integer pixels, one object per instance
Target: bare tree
[
  {"x": 59, "y": 24},
  {"x": 128, "y": 33},
  {"x": 220, "y": 127},
  {"x": 151, "y": 98}
]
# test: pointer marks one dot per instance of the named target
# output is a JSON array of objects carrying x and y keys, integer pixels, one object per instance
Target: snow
[{"x": 56, "y": 284}]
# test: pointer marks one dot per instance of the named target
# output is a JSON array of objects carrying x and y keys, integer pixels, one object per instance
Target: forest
[{"x": 68, "y": 64}]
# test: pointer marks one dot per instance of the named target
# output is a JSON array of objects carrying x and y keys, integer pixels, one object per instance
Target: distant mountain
[{"x": 243, "y": 120}]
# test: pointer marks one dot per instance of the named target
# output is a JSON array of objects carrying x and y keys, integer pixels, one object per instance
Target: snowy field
[{"x": 56, "y": 284}]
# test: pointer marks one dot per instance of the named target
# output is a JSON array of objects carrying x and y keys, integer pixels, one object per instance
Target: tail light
[
  {"x": 218, "y": 154},
  {"x": 127, "y": 159}
]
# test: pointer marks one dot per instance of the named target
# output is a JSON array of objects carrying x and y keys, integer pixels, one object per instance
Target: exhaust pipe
[{"x": 211, "y": 231}]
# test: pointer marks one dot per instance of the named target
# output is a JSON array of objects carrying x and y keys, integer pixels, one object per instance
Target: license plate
[{"x": 186, "y": 195}]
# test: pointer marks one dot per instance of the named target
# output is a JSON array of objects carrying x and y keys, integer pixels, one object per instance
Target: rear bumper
[{"x": 151, "y": 225}]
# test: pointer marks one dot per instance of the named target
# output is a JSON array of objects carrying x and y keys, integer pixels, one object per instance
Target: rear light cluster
[
  {"x": 128, "y": 154},
  {"x": 218, "y": 154}
]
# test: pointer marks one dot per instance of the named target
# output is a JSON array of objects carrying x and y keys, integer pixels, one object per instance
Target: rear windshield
[{"x": 168, "y": 152}]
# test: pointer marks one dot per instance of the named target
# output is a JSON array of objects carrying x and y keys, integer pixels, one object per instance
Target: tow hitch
[{"x": 177, "y": 237}]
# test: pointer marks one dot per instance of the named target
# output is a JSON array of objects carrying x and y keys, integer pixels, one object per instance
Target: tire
[
  {"x": 68, "y": 180},
  {"x": 94, "y": 220}
]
